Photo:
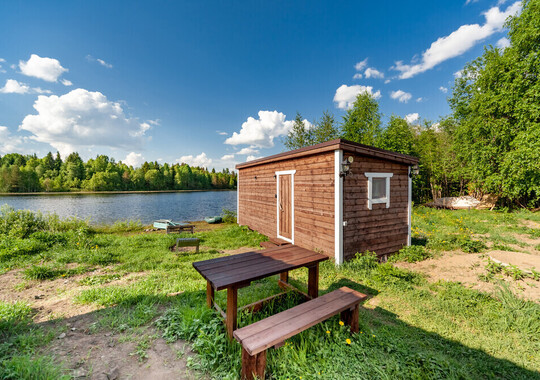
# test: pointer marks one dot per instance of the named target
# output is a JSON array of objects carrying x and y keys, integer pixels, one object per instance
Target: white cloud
[
  {"x": 66, "y": 82},
  {"x": 201, "y": 160},
  {"x": 358, "y": 76},
  {"x": 458, "y": 74},
  {"x": 247, "y": 151},
  {"x": 48, "y": 69},
  {"x": 419, "y": 100},
  {"x": 251, "y": 158},
  {"x": 39, "y": 90},
  {"x": 14, "y": 87},
  {"x": 154, "y": 122},
  {"x": 401, "y": 96},
  {"x": 8, "y": 142},
  {"x": 133, "y": 159},
  {"x": 503, "y": 43},
  {"x": 2, "y": 60},
  {"x": 222, "y": 133},
  {"x": 443, "y": 89},
  {"x": 361, "y": 65},
  {"x": 372, "y": 72},
  {"x": 262, "y": 131},
  {"x": 387, "y": 81},
  {"x": 82, "y": 119},
  {"x": 470, "y": 1},
  {"x": 412, "y": 117},
  {"x": 89, "y": 58},
  {"x": 458, "y": 42},
  {"x": 105, "y": 64},
  {"x": 346, "y": 95},
  {"x": 227, "y": 157}
]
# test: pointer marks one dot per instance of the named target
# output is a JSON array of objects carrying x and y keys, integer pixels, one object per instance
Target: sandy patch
[
  {"x": 523, "y": 261},
  {"x": 106, "y": 356},
  {"x": 466, "y": 268},
  {"x": 531, "y": 224}
]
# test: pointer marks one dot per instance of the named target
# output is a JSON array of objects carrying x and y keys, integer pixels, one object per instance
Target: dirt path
[{"x": 131, "y": 355}]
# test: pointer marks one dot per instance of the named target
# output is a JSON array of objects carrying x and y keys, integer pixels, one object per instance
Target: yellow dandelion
[
  {"x": 374, "y": 336},
  {"x": 341, "y": 323},
  {"x": 328, "y": 331},
  {"x": 348, "y": 341}
]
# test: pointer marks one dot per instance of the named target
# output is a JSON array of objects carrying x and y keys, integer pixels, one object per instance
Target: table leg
[
  {"x": 313, "y": 281},
  {"x": 283, "y": 278},
  {"x": 209, "y": 294},
  {"x": 230, "y": 322}
]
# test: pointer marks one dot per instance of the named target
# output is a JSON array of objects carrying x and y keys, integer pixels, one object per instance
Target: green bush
[
  {"x": 472, "y": 246},
  {"x": 13, "y": 316},
  {"x": 30, "y": 367},
  {"x": 363, "y": 261},
  {"x": 20, "y": 223},
  {"x": 42, "y": 272},
  {"x": 411, "y": 254},
  {"x": 228, "y": 216},
  {"x": 15, "y": 247}
]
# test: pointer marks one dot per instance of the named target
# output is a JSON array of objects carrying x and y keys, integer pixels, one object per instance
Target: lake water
[{"x": 108, "y": 208}]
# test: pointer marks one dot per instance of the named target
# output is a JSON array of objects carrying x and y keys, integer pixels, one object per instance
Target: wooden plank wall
[
  {"x": 382, "y": 230},
  {"x": 313, "y": 200}
]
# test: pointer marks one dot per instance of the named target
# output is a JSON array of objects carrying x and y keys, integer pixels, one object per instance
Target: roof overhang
[{"x": 345, "y": 145}]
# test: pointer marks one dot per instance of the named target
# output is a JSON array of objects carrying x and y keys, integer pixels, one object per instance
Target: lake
[{"x": 146, "y": 207}]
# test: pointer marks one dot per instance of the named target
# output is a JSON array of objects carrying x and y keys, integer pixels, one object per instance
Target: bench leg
[
  {"x": 197, "y": 250},
  {"x": 313, "y": 281},
  {"x": 350, "y": 317},
  {"x": 230, "y": 322},
  {"x": 209, "y": 294},
  {"x": 253, "y": 366}
]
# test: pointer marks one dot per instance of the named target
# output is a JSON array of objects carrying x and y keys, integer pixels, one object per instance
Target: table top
[{"x": 241, "y": 269}]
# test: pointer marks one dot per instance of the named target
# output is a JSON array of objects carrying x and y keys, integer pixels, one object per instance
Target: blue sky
[{"x": 217, "y": 83}]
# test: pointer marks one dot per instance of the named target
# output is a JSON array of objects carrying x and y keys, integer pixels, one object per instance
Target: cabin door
[{"x": 285, "y": 205}]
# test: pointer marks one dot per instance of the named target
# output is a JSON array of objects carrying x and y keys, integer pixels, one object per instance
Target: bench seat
[
  {"x": 188, "y": 242},
  {"x": 273, "y": 331}
]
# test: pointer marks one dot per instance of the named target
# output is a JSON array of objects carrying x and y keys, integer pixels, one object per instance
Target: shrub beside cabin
[{"x": 338, "y": 198}]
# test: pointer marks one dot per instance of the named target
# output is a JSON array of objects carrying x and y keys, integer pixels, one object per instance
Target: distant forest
[{"x": 28, "y": 173}]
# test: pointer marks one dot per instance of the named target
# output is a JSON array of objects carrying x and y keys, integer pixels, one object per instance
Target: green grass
[
  {"x": 19, "y": 342},
  {"x": 410, "y": 328}
]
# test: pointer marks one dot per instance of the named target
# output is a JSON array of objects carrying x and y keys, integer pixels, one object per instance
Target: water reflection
[{"x": 107, "y": 208}]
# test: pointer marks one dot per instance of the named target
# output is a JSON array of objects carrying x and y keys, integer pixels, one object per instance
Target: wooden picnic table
[{"x": 237, "y": 271}]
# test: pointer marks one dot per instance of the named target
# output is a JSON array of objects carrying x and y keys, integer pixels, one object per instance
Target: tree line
[
  {"x": 489, "y": 144},
  {"x": 28, "y": 173}
]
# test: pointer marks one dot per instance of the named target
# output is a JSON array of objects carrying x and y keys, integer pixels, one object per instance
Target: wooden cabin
[{"x": 337, "y": 198}]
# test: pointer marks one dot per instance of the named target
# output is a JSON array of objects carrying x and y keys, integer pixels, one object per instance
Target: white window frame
[
  {"x": 372, "y": 201},
  {"x": 278, "y": 174}
]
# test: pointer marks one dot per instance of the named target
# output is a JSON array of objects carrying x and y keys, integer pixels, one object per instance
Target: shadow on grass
[{"x": 388, "y": 348}]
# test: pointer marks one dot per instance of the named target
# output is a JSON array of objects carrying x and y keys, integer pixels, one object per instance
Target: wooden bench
[
  {"x": 180, "y": 228},
  {"x": 188, "y": 242},
  {"x": 273, "y": 331}
]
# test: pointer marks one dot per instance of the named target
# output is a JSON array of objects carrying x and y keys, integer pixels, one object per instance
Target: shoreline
[{"x": 110, "y": 192}]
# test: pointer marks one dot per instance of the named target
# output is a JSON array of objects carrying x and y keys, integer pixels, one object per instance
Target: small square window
[{"x": 378, "y": 188}]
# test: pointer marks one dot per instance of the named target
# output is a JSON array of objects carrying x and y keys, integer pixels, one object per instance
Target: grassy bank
[{"x": 128, "y": 281}]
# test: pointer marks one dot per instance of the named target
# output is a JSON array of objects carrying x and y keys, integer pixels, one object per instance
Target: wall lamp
[
  {"x": 346, "y": 166},
  {"x": 415, "y": 170}
]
